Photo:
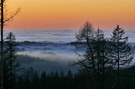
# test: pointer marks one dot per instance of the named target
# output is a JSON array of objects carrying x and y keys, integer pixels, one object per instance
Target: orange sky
[{"x": 71, "y": 14}]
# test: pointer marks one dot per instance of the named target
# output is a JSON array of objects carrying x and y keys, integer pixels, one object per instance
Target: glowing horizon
[{"x": 71, "y": 14}]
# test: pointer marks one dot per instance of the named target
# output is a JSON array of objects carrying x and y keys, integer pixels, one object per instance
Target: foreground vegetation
[{"x": 31, "y": 79}]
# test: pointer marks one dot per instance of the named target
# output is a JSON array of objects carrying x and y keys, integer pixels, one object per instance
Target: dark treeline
[{"x": 31, "y": 79}]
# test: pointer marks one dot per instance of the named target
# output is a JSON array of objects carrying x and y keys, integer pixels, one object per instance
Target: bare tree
[
  {"x": 86, "y": 37},
  {"x": 95, "y": 58},
  {"x": 3, "y": 20}
]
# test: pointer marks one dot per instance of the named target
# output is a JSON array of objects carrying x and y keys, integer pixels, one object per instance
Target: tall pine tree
[
  {"x": 120, "y": 51},
  {"x": 10, "y": 66}
]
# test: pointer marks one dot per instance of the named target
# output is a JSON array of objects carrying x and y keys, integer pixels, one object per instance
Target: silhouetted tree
[
  {"x": 35, "y": 80},
  {"x": 10, "y": 66},
  {"x": 101, "y": 59},
  {"x": 85, "y": 37},
  {"x": 95, "y": 58},
  {"x": 120, "y": 51},
  {"x": 43, "y": 80},
  {"x": 70, "y": 75},
  {"x": 3, "y": 19}
]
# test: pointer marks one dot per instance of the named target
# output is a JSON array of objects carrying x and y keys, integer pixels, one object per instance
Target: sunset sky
[{"x": 71, "y": 14}]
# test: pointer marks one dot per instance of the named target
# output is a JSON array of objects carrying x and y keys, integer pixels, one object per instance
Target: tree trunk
[{"x": 2, "y": 25}]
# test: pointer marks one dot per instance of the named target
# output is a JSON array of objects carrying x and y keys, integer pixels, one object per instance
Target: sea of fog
[
  {"x": 56, "y": 35},
  {"x": 55, "y": 56},
  {"x": 44, "y": 35}
]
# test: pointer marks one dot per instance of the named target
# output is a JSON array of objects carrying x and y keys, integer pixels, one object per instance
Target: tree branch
[{"x": 12, "y": 16}]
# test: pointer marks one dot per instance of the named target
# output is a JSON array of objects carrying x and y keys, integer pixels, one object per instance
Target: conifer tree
[
  {"x": 120, "y": 51},
  {"x": 10, "y": 66}
]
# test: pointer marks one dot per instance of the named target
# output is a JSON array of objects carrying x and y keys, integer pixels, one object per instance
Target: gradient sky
[{"x": 71, "y": 14}]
